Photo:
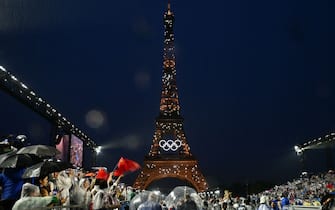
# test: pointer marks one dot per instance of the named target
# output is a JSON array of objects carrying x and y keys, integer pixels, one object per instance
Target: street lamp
[
  {"x": 300, "y": 152},
  {"x": 96, "y": 152},
  {"x": 98, "y": 149}
]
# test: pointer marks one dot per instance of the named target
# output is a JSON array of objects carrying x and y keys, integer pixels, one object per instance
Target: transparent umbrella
[
  {"x": 179, "y": 194},
  {"x": 143, "y": 196},
  {"x": 138, "y": 200}
]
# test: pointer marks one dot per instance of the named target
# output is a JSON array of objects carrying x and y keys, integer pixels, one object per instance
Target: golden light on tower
[{"x": 170, "y": 155}]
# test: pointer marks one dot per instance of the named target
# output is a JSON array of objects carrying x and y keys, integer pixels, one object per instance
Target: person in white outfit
[
  {"x": 84, "y": 185},
  {"x": 263, "y": 203},
  {"x": 30, "y": 198},
  {"x": 64, "y": 183}
]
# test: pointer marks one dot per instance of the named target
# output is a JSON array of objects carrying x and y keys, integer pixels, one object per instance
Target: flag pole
[
  {"x": 110, "y": 177},
  {"x": 117, "y": 164}
]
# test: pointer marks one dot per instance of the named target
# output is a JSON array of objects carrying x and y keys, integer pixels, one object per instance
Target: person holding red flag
[{"x": 123, "y": 167}]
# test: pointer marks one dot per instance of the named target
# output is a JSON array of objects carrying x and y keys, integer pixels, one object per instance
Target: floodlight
[
  {"x": 298, "y": 150},
  {"x": 21, "y": 137},
  {"x": 98, "y": 149}
]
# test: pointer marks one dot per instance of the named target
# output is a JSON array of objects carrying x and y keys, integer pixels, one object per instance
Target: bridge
[
  {"x": 13, "y": 86},
  {"x": 325, "y": 142}
]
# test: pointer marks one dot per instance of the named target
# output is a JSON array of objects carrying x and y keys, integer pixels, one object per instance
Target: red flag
[
  {"x": 330, "y": 186},
  {"x": 117, "y": 172},
  {"x": 125, "y": 165},
  {"x": 102, "y": 174}
]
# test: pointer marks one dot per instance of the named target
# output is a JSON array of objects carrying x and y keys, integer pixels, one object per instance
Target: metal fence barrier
[{"x": 299, "y": 207}]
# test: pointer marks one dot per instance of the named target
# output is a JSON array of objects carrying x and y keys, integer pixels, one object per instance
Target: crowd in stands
[{"x": 316, "y": 191}]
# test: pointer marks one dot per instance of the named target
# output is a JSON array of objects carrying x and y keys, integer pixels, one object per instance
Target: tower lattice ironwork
[{"x": 170, "y": 155}]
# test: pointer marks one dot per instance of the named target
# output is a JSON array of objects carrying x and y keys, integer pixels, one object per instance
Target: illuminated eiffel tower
[{"x": 170, "y": 155}]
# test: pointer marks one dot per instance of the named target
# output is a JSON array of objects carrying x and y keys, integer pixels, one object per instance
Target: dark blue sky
[{"x": 254, "y": 77}]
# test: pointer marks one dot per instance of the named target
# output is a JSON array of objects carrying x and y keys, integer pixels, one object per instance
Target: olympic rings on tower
[{"x": 170, "y": 144}]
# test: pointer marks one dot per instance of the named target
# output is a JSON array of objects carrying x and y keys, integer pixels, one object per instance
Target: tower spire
[
  {"x": 169, "y": 104},
  {"x": 169, "y": 7}
]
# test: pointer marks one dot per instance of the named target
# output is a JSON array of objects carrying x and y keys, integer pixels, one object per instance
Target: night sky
[{"x": 254, "y": 77}]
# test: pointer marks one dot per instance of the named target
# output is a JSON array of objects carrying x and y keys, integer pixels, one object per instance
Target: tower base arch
[{"x": 185, "y": 170}]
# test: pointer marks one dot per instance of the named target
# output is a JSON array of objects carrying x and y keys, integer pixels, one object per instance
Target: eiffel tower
[{"x": 170, "y": 155}]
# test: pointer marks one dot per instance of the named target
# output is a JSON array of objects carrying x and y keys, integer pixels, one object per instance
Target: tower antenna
[{"x": 169, "y": 7}]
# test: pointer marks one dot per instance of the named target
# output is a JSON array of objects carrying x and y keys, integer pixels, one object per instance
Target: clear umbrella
[
  {"x": 143, "y": 197},
  {"x": 179, "y": 194},
  {"x": 138, "y": 200}
]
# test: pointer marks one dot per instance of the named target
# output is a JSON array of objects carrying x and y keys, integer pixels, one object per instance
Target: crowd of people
[
  {"x": 99, "y": 189},
  {"x": 69, "y": 188},
  {"x": 74, "y": 189},
  {"x": 313, "y": 191}
]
